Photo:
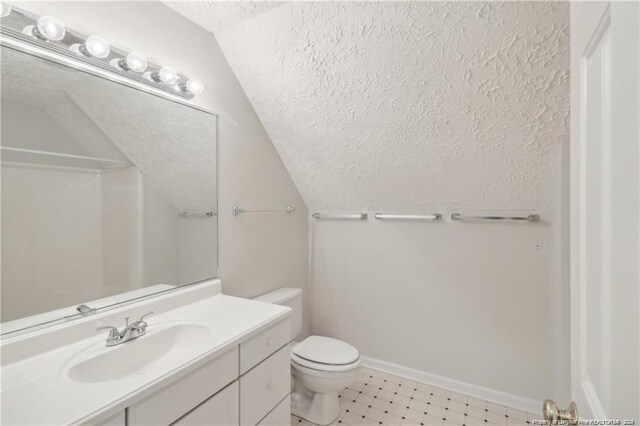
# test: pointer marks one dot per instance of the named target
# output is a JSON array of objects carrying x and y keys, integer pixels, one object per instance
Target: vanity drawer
[
  {"x": 264, "y": 344},
  {"x": 222, "y": 409},
  {"x": 264, "y": 387},
  {"x": 281, "y": 415},
  {"x": 179, "y": 398}
]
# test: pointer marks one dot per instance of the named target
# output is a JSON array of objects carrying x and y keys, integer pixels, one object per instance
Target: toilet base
[{"x": 322, "y": 409}]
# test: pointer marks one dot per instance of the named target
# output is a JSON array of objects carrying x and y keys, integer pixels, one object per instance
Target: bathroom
[{"x": 397, "y": 213}]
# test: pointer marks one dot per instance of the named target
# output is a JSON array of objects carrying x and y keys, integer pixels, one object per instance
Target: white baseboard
[{"x": 510, "y": 400}]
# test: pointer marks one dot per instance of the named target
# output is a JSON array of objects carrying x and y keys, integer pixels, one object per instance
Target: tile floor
[{"x": 379, "y": 398}]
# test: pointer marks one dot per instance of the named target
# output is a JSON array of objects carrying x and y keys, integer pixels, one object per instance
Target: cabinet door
[
  {"x": 262, "y": 388},
  {"x": 117, "y": 420},
  {"x": 264, "y": 344},
  {"x": 176, "y": 400},
  {"x": 222, "y": 409},
  {"x": 279, "y": 416}
]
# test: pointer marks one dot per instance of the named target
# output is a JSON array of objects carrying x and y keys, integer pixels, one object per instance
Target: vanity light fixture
[
  {"x": 5, "y": 9},
  {"x": 47, "y": 28},
  {"x": 166, "y": 75},
  {"x": 50, "y": 33},
  {"x": 94, "y": 46},
  {"x": 192, "y": 86},
  {"x": 134, "y": 61}
]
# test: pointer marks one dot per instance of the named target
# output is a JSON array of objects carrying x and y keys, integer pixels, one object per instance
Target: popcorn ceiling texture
[
  {"x": 410, "y": 105},
  {"x": 217, "y": 15}
]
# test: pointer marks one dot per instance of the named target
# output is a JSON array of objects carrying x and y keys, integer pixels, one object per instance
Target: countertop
[{"x": 36, "y": 390}]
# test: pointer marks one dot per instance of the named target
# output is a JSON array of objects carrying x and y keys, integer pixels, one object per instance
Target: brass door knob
[{"x": 555, "y": 415}]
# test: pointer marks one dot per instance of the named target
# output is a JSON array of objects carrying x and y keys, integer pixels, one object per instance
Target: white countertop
[{"x": 36, "y": 390}]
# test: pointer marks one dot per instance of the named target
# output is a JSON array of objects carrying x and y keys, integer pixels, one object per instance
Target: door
[{"x": 605, "y": 194}]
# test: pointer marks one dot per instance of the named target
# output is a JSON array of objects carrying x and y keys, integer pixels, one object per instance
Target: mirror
[{"x": 108, "y": 192}]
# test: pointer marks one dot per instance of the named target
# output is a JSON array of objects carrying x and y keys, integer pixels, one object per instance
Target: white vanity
[{"x": 206, "y": 358}]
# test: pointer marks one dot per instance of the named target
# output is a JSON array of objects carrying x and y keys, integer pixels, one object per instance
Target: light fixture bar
[{"x": 109, "y": 59}]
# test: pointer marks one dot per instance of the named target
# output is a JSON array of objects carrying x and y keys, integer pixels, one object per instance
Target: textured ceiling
[
  {"x": 409, "y": 105},
  {"x": 217, "y": 15}
]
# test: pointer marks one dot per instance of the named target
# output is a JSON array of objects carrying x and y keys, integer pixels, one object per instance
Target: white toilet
[{"x": 320, "y": 366}]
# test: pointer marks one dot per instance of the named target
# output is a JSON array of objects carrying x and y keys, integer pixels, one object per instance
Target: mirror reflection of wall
[{"x": 108, "y": 192}]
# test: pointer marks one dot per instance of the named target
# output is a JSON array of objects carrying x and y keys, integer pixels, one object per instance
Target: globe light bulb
[
  {"x": 134, "y": 61},
  {"x": 194, "y": 86},
  {"x": 5, "y": 9},
  {"x": 167, "y": 75},
  {"x": 50, "y": 28},
  {"x": 97, "y": 47}
]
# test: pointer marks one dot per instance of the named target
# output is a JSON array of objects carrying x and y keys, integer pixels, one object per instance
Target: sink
[{"x": 163, "y": 345}]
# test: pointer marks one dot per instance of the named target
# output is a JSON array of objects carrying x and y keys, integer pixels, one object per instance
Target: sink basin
[{"x": 163, "y": 345}]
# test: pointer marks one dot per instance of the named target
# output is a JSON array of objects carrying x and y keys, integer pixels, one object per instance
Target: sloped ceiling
[
  {"x": 217, "y": 15},
  {"x": 411, "y": 105}
]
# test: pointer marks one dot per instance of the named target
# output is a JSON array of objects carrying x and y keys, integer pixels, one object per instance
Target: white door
[{"x": 605, "y": 194}]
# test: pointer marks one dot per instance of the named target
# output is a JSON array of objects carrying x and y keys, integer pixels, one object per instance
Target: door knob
[{"x": 555, "y": 415}]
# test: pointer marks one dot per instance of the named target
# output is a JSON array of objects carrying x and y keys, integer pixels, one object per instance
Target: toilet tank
[{"x": 291, "y": 297}]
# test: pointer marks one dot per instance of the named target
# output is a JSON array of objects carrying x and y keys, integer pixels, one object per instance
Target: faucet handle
[
  {"x": 142, "y": 317},
  {"x": 113, "y": 331}
]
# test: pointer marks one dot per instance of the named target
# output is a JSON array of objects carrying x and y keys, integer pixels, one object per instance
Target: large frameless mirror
[{"x": 108, "y": 192}]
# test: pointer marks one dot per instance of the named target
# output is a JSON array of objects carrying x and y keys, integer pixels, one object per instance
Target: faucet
[{"x": 129, "y": 332}]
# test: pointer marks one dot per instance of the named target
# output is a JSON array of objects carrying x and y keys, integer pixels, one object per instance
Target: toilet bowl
[{"x": 321, "y": 366}]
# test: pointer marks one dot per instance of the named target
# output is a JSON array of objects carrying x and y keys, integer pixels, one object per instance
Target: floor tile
[
  {"x": 498, "y": 419},
  {"x": 496, "y": 408},
  {"x": 418, "y": 405},
  {"x": 440, "y": 401},
  {"x": 437, "y": 411},
  {"x": 397, "y": 409},
  {"x": 454, "y": 416},
  {"x": 375, "y": 414},
  {"x": 380, "y": 404},
  {"x": 381, "y": 398},
  {"x": 475, "y": 402},
  {"x": 430, "y": 420},
  {"x": 414, "y": 415},
  {"x": 358, "y": 408},
  {"x": 392, "y": 420},
  {"x": 478, "y": 413},
  {"x": 457, "y": 406}
]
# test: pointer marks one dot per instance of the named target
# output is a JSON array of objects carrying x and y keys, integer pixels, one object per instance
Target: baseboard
[{"x": 510, "y": 400}]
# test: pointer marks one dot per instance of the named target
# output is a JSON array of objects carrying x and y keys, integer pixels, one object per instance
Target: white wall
[
  {"x": 473, "y": 302},
  {"x": 257, "y": 253},
  {"x": 51, "y": 256},
  {"x": 121, "y": 230}
]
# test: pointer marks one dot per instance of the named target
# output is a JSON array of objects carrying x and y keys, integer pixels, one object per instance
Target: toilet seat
[
  {"x": 328, "y": 368},
  {"x": 325, "y": 354}
]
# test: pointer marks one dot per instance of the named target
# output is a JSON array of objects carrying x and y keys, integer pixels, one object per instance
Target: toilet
[{"x": 321, "y": 367}]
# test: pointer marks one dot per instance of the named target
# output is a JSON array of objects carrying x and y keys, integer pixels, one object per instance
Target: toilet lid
[{"x": 325, "y": 350}]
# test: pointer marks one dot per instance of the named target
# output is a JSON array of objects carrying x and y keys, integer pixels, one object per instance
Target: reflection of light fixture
[
  {"x": 93, "y": 46},
  {"x": 47, "y": 28},
  {"x": 5, "y": 9},
  {"x": 166, "y": 75},
  {"x": 134, "y": 61},
  {"x": 193, "y": 86}
]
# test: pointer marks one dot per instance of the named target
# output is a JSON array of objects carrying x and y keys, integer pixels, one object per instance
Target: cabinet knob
[
  {"x": 271, "y": 341},
  {"x": 271, "y": 385}
]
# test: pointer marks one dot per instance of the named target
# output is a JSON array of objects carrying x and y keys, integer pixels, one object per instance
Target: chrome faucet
[{"x": 130, "y": 331}]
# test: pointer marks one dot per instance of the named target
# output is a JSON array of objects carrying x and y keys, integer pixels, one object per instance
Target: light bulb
[
  {"x": 50, "y": 28},
  {"x": 97, "y": 47},
  {"x": 167, "y": 75},
  {"x": 133, "y": 62},
  {"x": 5, "y": 9},
  {"x": 194, "y": 86}
]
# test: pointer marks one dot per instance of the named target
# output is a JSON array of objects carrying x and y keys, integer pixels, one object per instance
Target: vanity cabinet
[{"x": 247, "y": 385}]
